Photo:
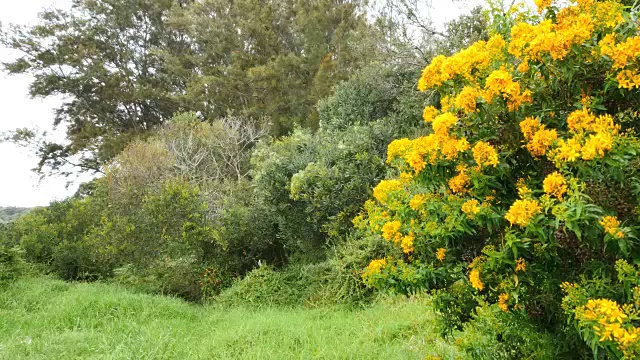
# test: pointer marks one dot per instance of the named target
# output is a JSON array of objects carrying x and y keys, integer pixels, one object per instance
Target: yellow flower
[
  {"x": 529, "y": 126},
  {"x": 407, "y": 243},
  {"x": 450, "y": 147},
  {"x": 458, "y": 183},
  {"x": 524, "y": 66},
  {"x": 382, "y": 190},
  {"x": 466, "y": 99},
  {"x": 610, "y": 320},
  {"x": 611, "y": 225},
  {"x": 580, "y": 120},
  {"x": 443, "y": 122},
  {"x": 446, "y": 103},
  {"x": 555, "y": 39},
  {"x": 463, "y": 64},
  {"x": 502, "y": 302},
  {"x": 378, "y": 264},
  {"x": 485, "y": 155},
  {"x": 522, "y": 211},
  {"x": 541, "y": 141},
  {"x": 521, "y": 265},
  {"x": 542, "y": 4},
  {"x": 406, "y": 177},
  {"x": 398, "y": 148},
  {"x": 567, "y": 151},
  {"x": 390, "y": 229},
  {"x": 597, "y": 145},
  {"x": 441, "y": 253},
  {"x": 416, "y": 202},
  {"x": 429, "y": 114},
  {"x": 415, "y": 159},
  {"x": 374, "y": 267},
  {"x": 624, "y": 53},
  {"x": 555, "y": 185},
  {"x": 523, "y": 189},
  {"x": 470, "y": 207},
  {"x": 474, "y": 278}
]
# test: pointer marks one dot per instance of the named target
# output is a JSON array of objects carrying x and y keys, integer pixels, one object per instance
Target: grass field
[{"x": 42, "y": 318}]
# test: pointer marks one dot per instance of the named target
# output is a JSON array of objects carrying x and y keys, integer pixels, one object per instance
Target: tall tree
[
  {"x": 101, "y": 57},
  {"x": 267, "y": 58}
]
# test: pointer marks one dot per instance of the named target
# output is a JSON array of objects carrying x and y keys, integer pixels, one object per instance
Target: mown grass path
[{"x": 42, "y": 318}]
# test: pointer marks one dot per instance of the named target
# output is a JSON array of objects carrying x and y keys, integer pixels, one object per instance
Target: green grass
[{"x": 42, "y": 318}]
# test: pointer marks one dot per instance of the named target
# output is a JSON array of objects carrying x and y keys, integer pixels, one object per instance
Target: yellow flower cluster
[
  {"x": 464, "y": 64},
  {"x": 606, "y": 15},
  {"x": 417, "y": 201},
  {"x": 471, "y": 208},
  {"x": 474, "y": 278},
  {"x": 522, "y": 211},
  {"x": 593, "y": 137},
  {"x": 581, "y": 121},
  {"x": 539, "y": 139},
  {"x": 431, "y": 148},
  {"x": 443, "y": 122},
  {"x": 466, "y": 99},
  {"x": 390, "y": 230},
  {"x": 407, "y": 243},
  {"x": 521, "y": 265},
  {"x": 374, "y": 267},
  {"x": 502, "y": 302},
  {"x": 429, "y": 114},
  {"x": 534, "y": 42},
  {"x": 611, "y": 225},
  {"x": 610, "y": 323},
  {"x": 500, "y": 82},
  {"x": 485, "y": 155},
  {"x": 441, "y": 253},
  {"x": 529, "y": 126},
  {"x": 382, "y": 190},
  {"x": 542, "y": 4},
  {"x": 628, "y": 79},
  {"x": 458, "y": 183},
  {"x": 523, "y": 189},
  {"x": 555, "y": 185},
  {"x": 398, "y": 148},
  {"x": 623, "y": 56}
]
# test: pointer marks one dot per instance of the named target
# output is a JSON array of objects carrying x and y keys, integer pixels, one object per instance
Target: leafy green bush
[
  {"x": 493, "y": 334},
  {"x": 455, "y": 305},
  {"x": 314, "y": 183},
  {"x": 332, "y": 282},
  {"x": 12, "y": 264}
]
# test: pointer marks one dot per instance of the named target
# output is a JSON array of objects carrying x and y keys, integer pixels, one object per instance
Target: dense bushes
[
  {"x": 12, "y": 264},
  {"x": 512, "y": 196},
  {"x": 192, "y": 205},
  {"x": 314, "y": 183}
]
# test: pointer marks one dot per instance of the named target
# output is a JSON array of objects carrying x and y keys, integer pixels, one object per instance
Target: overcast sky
[{"x": 19, "y": 186}]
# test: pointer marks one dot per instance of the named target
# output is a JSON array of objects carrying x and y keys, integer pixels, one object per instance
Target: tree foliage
[{"x": 101, "y": 57}]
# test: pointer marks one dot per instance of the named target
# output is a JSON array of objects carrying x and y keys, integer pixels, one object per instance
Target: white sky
[{"x": 19, "y": 186}]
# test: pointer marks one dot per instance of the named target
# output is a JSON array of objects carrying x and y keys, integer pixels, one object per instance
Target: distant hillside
[{"x": 11, "y": 213}]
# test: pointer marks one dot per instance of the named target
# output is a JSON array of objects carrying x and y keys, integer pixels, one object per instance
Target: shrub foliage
[{"x": 524, "y": 178}]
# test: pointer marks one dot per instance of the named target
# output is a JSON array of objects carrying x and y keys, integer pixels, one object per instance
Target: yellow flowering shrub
[
  {"x": 550, "y": 97},
  {"x": 612, "y": 325}
]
